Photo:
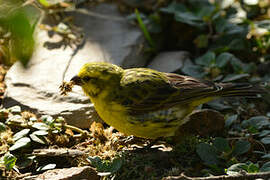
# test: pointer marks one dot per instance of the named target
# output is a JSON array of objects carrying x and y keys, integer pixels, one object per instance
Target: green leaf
[
  {"x": 109, "y": 167},
  {"x": 3, "y": 127},
  {"x": 174, "y": 8},
  {"x": 223, "y": 59},
  {"x": 194, "y": 71},
  {"x": 46, "y": 167},
  {"x": 237, "y": 65},
  {"x": 257, "y": 121},
  {"x": 40, "y": 126},
  {"x": 264, "y": 133},
  {"x": 15, "y": 109},
  {"x": 40, "y": 133},
  {"x": 218, "y": 104},
  {"x": 144, "y": 29},
  {"x": 196, "y": 16},
  {"x": 221, "y": 144},
  {"x": 207, "y": 59},
  {"x": 207, "y": 153},
  {"x": 189, "y": 18},
  {"x": 265, "y": 167},
  {"x": 22, "y": 41},
  {"x": 266, "y": 140},
  {"x": 253, "y": 168},
  {"x": 266, "y": 156},
  {"x": 47, "y": 119},
  {"x": 20, "y": 134},
  {"x": 23, "y": 142},
  {"x": 235, "y": 169},
  {"x": 38, "y": 139},
  {"x": 241, "y": 147},
  {"x": 25, "y": 161},
  {"x": 234, "y": 77},
  {"x": 230, "y": 120},
  {"x": 201, "y": 41},
  {"x": 44, "y": 3},
  {"x": 8, "y": 160}
]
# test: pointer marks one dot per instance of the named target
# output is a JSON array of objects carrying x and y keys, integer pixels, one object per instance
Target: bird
[{"x": 149, "y": 104}]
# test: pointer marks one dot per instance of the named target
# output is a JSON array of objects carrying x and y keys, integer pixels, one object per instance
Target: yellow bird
[{"x": 148, "y": 103}]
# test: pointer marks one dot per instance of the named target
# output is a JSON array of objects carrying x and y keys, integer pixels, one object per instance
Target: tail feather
[{"x": 240, "y": 89}]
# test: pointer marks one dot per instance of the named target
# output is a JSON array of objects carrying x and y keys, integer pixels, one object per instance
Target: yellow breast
[{"x": 116, "y": 115}]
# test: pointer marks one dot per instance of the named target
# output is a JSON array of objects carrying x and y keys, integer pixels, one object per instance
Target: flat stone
[
  {"x": 108, "y": 37},
  {"x": 169, "y": 61},
  {"x": 204, "y": 122},
  {"x": 74, "y": 173}
]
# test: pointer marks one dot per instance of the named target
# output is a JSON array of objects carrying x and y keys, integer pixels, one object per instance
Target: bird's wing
[{"x": 145, "y": 90}]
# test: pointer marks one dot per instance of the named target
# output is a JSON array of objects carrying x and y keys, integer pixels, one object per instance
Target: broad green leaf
[
  {"x": 264, "y": 133},
  {"x": 106, "y": 165},
  {"x": 40, "y": 133},
  {"x": 266, "y": 140},
  {"x": 236, "y": 169},
  {"x": 253, "y": 168},
  {"x": 237, "y": 65},
  {"x": 265, "y": 167},
  {"x": 44, "y": 3},
  {"x": 23, "y": 142},
  {"x": 230, "y": 120},
  {"x": 16, "y": 118},
  {"x": 20, "y": 134},
  {"x": 218, "y": 105},
  {"x": 241, "y": 147},
  {"x": 25, "y": 161},
  {"x": 207, "y": 59},
  {"x": 223, "y": 59},
  {"x": 194, "y": 71},
  {"x": 174, "y": 8},
  {"x": 189, "y": 18},
  {"x": 266, "y": 156},
  {"x": 221, "y": 144},
  {"x": 47, "y": 119},
  {"x": 233, "y": 77},
  {"x": 38, "y": 139},
  {"x": 207, "y": 153},
  {"x": 22, "y": 41},
  {"x": 3, "y": 127},
  {"x": 15, "y": 109},
  {"x": 8, "y": 160},
  {"x": 195, "y": 16},
  {"x": 201, "y": 41},
  {"x": 257, "y": 121},
  {"x": 40, "y": 126}
]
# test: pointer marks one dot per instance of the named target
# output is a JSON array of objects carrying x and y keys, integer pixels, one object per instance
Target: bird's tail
[{"x": 240, "y": 89}]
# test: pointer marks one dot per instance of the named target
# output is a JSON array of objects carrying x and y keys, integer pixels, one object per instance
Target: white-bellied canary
[{"x": 148, "y": 103}]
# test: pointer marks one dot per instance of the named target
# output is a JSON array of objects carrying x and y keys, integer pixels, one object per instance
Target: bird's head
[{"x": 96, "y": 77}]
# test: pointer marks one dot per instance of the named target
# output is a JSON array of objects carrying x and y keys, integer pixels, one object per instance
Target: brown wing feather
[{"x": 146, "y": 91}]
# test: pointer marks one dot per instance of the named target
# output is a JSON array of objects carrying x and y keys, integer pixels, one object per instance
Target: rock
[
  {"x": 108, "y": 37},
  {"x": 169, "y": 61},
  {"x": 74, "y": 173},
  {"x": 204, "y": 122}
]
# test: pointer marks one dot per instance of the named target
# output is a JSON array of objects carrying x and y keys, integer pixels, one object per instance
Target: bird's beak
[{"x": 76, "y": 80}]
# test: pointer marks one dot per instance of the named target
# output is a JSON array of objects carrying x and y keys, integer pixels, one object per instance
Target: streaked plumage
[{"x": 147, "y": 103}]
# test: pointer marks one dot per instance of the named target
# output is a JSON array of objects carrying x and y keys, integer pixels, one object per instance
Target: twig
[
  {"x": 248, "y": 176},
  {"x": 58, "y": 152}
]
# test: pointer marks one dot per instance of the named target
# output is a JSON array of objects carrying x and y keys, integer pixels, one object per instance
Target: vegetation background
[{"x": 228, "y": 41}]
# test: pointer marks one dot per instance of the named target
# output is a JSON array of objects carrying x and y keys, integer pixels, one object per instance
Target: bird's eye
[{"x": 86, "y": 78}]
